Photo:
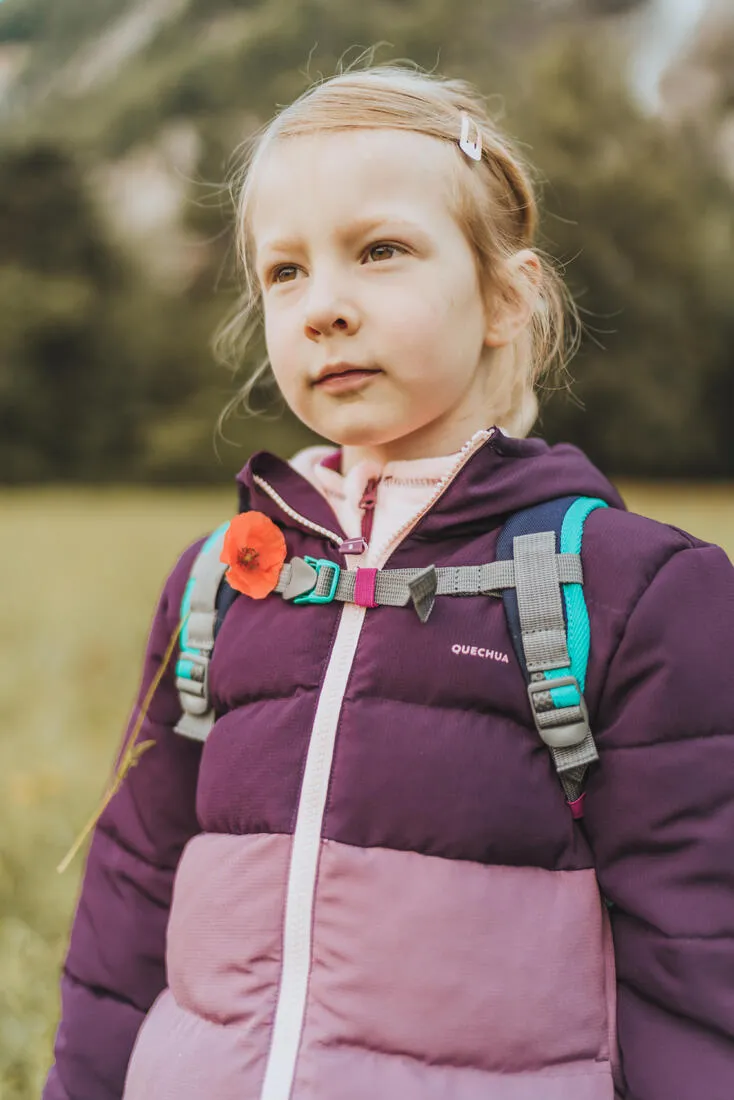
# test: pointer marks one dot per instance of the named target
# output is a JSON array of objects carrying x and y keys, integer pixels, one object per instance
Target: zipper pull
[
  {"x": 353, "y": 546},
  {"x": 367, "y": 504}
]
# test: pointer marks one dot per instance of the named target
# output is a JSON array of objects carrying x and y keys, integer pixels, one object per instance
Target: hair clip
[{"x": 472, "y": 149}]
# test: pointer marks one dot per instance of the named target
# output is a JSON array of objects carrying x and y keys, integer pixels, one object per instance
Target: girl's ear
[{"x": 512, "y": 305}]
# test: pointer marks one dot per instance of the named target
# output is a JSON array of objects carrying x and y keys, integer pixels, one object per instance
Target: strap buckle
[
  {"x": 318, "y": 564},
  {"x": 192, "y": 681},
  {"x": 561, "y": 733}
]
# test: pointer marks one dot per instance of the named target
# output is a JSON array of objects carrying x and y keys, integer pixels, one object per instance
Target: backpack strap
[
  {"x": 549, "y": 625},
  {"x": 544, "y": 603},
  {"x": 205, "y": 615}
]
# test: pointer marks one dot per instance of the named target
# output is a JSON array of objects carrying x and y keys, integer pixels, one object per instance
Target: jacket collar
[{"x": 502, "y": 476}]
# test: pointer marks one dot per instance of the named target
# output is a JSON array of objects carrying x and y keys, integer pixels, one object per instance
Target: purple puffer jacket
[{"x": 368, "y": 884}]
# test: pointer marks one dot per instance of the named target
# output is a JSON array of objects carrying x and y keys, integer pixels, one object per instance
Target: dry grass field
[{"x": 81, "y": 571}]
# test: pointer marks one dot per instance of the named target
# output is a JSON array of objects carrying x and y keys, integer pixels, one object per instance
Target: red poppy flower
[{"x": 254, "y": 549}]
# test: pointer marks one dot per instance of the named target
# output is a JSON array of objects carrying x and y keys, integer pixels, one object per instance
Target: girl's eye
[
  {"x": 383, "y": 251},
  {"x": 286, "y": 273}
]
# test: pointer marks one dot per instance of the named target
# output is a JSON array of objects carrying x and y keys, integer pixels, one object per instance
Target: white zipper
[
  {"x": 290, "y": 1010},
  {"x": 267, "y": 488},
  {"x": 306, "y": 846}
]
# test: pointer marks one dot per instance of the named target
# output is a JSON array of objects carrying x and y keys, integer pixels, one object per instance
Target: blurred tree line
[{"x": 105, "y": 374}]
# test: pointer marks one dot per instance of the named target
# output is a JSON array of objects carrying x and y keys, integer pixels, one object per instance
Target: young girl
[{"x": 369, "y": 884}]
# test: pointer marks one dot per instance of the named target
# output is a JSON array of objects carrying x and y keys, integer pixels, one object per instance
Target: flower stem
[{"x": 131, "y": 755}]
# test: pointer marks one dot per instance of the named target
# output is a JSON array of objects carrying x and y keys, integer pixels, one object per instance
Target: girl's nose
[{"x": 327, "y": 314}]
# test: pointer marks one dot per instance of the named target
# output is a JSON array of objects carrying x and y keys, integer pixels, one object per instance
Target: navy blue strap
[{"x": 225, "y": 598}]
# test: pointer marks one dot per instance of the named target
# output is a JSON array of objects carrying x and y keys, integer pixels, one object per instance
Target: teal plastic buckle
[{"x": 318, "y": 564}]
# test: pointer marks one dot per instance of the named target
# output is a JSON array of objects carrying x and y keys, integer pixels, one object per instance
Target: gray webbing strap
[
  {"x": 392, "y": 586},
  {"x": 539, "y": 602},
  {"x": 566, "y": 729},
  {"x": 198, "y": 641}
]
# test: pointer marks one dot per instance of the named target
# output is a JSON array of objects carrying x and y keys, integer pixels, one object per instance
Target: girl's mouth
[{"x": 343, "y": 380}]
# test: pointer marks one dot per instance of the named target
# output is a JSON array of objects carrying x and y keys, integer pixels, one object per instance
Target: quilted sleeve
[
  {"x": 660, "y": 816},
  {"x": 115, "y": 968}
]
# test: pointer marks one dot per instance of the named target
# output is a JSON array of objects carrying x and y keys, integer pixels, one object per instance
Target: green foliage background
[{"x": 105, "y": 375}]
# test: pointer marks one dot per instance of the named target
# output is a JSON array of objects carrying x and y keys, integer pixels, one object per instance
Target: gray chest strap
[
  {"x": 319, "y": 581},
  {"x": 536, "y": 572}
]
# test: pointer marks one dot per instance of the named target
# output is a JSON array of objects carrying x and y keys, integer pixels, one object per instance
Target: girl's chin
[
  {"x": 353, "y": 426},
  {"x": 358, "y": 421}
]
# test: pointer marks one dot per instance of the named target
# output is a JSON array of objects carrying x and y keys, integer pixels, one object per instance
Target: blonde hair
[{"x": 493, "y": 201}]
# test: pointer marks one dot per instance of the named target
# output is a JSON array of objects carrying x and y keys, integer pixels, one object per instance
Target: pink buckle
[
  {"x": 364, "y": 588},
  {"x": 577, "y": 807}
]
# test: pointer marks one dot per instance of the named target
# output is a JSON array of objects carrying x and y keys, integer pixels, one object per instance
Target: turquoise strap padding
[
  {"x": 183, "y": 667},
  {"x": 577, "y": 616},
  {"x": 563, "y": 696}
]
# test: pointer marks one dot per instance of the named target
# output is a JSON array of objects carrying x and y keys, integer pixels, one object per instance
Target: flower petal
[{"x": 252, "y": 537}]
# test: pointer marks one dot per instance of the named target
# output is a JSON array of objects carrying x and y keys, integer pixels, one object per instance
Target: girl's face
[{"x": 375, "y": 322}]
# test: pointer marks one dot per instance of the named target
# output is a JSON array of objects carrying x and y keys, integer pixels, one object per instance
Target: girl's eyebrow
[{"x": 355, "y": 229}]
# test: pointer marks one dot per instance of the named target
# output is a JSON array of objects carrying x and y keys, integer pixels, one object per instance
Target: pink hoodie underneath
[{"x": 403, "y": 491}]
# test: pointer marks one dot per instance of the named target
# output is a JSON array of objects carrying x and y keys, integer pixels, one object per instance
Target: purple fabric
[{"x": 436, "y": 753}]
